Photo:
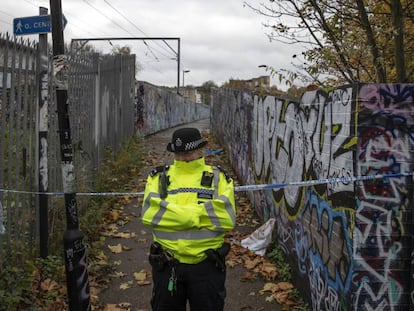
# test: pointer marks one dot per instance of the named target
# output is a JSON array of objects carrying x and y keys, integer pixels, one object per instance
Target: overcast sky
[{"x": 220, "y": 39}]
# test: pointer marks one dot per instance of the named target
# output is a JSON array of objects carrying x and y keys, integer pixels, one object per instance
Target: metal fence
[{"x": 101, "y": 108}]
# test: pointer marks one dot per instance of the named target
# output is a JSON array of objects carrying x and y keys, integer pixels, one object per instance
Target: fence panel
[
  {"x": 18, "y": 87},
  {"x": 101, "y": 101}
]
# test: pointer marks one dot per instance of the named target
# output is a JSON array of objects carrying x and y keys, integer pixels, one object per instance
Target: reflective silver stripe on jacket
[
  {"x": 147, "y": 201},
  {"x": 208, "y": 205},
  {"x": 216, "y": 174},
  {"x": 212, "y": 215},
  {"x": 190, "y": 190},
  {"x": 186, "y": 235},
  {"x": 158, "y": 216}
]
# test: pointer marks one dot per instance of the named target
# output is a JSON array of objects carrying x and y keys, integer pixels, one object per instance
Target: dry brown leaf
[
  {"x": 247, "y": 276},
  {"x": 49, "y": 285},
  {"x": 143, "y": 283},
  {"x": 284, "y": 286},
  {"x": 112, "y": 216},
  {"x": 126, "y": 248},
  {"x": 115, "y": 248},
  {"x": 126, "y": 285},
  {"x": 112, "y": 307},
  {"x": 124, "y": 235},
  {"x": 281, "y": 297},
  {"x": 251, "y": 264},
  {"x": 125, "y": 305},
  {"x": 118, "y": 274},
  {"x": 269, "y": 270}
]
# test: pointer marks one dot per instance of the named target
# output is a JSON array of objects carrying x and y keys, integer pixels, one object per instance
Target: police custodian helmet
[{"x": 186, "y": 139}]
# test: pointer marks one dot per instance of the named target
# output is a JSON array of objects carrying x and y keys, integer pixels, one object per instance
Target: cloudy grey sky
[{"x": 220, "y": 39}]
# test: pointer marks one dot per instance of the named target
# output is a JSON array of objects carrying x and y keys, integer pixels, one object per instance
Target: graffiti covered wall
[
  {"x": 158, "y": 109},
  {"x": 349, "y": 243}
]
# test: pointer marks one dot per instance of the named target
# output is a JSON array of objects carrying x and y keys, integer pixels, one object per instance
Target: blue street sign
[{"x": 34, "y": 25}]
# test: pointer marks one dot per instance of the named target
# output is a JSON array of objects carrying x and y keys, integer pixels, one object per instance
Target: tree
[
  {"x": 205, "y": 91},
  {"x": 346, "y": 40},
  {"x": 118, "y": 50},
  {"x": 126, "y": 50}
]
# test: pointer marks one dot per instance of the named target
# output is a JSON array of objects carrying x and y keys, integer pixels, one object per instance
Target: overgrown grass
[
  {"x": 39, "y": 284},
  {"x": 275, "y": 255}
]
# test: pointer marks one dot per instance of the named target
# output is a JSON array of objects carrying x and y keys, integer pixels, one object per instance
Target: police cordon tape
[{"x": 237, "y": 188}]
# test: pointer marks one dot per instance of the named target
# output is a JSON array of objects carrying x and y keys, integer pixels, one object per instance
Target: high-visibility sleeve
[
  {"x": 162, "y": 214},
  {"x": 220, "y": 213}
]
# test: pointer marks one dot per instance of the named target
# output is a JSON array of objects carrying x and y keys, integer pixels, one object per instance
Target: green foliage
[
  {"x": 15, "y": 286},
  {"x": 117, "y": 170},
  {"x": 276, "y": 256}
]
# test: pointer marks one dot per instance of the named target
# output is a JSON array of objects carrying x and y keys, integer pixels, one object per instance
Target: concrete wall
[
  {"x": 349, "y": 244},
  {"x": 158, "y": 109}
]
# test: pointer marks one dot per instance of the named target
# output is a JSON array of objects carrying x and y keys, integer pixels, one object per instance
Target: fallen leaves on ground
[
  {"x": 280, "y": 292},
  {"x": 141, "y": 277},
  {"x": 256, "y": 266}
]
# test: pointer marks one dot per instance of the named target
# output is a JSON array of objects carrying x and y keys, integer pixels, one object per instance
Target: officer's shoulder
[
  {"x": 159, "y": 169},
  {"x": 221, "y": 169}
]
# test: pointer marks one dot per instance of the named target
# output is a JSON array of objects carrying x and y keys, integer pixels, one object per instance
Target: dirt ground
[{"x": 130, "y": 284}]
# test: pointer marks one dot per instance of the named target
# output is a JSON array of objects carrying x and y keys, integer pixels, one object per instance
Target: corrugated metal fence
[{"x": 101, "y": 105}]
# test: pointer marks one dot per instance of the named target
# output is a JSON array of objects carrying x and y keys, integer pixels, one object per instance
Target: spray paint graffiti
[
  {"x": 385, "y": 146},
  {"x": 322, "y": 238},
  {"x": 302, "y": 141},
  {"x": 350, "y": 242}
]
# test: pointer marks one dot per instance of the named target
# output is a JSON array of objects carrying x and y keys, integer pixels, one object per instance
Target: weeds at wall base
[{"x": 40, "y": 284}]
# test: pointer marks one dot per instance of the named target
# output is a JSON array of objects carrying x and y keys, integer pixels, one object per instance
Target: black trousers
[{"x": 202, "y": 285}]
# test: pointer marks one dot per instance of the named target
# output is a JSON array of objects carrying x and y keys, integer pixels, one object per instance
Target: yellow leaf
[
  {"x": 140, "y": 276},
  {"x": 115, "y": 248}
]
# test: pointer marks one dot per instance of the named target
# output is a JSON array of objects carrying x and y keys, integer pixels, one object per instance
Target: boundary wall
[
  {"x": 158, "y": 109},
  {"x": 349, "y": 244}
]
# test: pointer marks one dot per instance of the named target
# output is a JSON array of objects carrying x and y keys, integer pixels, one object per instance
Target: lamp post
[{"x": 184, "y": 72}]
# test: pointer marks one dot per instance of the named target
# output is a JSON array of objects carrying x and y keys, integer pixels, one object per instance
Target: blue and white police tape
[
  {"x": 258, "y": 187},
  {"x": 333, "y": 180}
]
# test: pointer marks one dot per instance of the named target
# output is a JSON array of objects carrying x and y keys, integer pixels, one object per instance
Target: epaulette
[
  {"x": 228, "y": 178},
  {"x": 159, "y": 169}
]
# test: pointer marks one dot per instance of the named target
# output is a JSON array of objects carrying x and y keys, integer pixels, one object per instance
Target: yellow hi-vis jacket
[{"x": 197, "y": 211}]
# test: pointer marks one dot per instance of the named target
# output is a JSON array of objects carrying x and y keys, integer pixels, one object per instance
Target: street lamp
[{"x": 184, "y": 72}]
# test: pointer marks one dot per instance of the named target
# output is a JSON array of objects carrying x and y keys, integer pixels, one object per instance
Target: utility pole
[{"x": 73, "y": 239}]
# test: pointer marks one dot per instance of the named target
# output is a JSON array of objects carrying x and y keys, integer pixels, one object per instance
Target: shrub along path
[{"x": 251, "y": 280}]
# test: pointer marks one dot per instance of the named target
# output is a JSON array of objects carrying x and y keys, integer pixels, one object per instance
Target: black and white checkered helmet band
[{"x": 192, "y": 145}]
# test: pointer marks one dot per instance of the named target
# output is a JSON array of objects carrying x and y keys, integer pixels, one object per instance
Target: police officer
[{"x": 190, "y": 206}]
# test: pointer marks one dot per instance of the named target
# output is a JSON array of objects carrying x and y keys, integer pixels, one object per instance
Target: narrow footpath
[{"x": 127, "y": 244}]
